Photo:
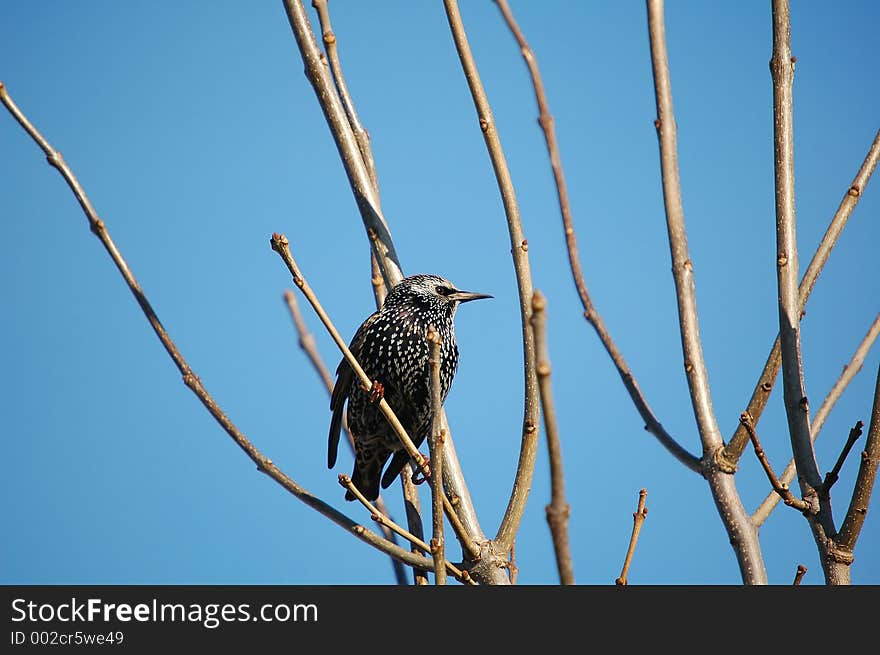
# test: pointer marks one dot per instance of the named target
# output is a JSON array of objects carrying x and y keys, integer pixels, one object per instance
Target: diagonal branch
[
  {"x": 861, "y": 497},
  {"x": 309, "y": 347},
  {"x": 376, "y": 515},
  {"x": 349, "y": 150},
  {"x": 833, "y": 475},
  {"x": 682, "y": 266},
  {"x": 519, "y": 248},
  {"x": 558, "y": 511},
  {"x": 191, "y": 380},
  {"x": 781, "y": 489},
  {"x": 849, "y": 372},
  {"x": 761, "y": 392},
  {"x": 545, "y": 120},
  {"x": 360, "y": 134}
]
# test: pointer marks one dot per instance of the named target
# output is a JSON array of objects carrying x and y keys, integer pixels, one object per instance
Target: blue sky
[{"x": 196, "y": 136}]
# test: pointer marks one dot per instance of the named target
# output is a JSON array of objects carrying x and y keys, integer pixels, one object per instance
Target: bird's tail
[{"x": 366, "y": 475}]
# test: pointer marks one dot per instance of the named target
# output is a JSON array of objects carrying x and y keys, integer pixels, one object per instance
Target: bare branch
[
  {"x": 781, "y": 489},
  {"x": 799, "y": 575},
  {"x": 832, "y": 476},
  {"x": 349, "y": 150},
  {"x": 558, "y": 511},
  {"x": 360, "y": 134},
  {"x": 545, "y": 120},
  {"x": 470, "y": 548},
  {"x": 639, "y": 517},
  {"x": 761, "y": 393},
  {"x": 511, "y": 564},
  {"x": 264, "y": 464},
  {"x": 413, "y": 517},
  {"x": 682, "y": 266},
  {"x": 519, "y": 249},
  {"x": 435, "y": 443},
  {"x": 861, "y": 497},
  {"x": 849, "y": 372},
  {"x": 796, "y": 406},
  {"x": 281, "y": 245},
  {"x": 377, "y": 516},
  {"x": 309, "y": 347}
]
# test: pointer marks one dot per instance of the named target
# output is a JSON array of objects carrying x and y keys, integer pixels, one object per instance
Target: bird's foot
[
  {"x": 377, "y": 392},
  {"x": 422, "y": 474}
]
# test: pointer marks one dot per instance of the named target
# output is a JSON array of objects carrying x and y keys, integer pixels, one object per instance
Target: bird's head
[{"x": 429, "y": 291}]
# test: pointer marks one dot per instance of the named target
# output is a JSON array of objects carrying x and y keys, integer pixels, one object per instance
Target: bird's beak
[{"x": 467, "y": 296}]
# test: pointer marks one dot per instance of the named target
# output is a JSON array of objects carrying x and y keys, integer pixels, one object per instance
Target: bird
[{"x": 391, "y": 346}]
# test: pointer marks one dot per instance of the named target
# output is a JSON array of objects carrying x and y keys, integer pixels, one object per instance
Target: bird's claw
[
  {"x": 377, "y": 392},
  {"x": 421, "y": 475}
]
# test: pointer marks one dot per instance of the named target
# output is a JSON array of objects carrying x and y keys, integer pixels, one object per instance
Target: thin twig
[
  {"x": 281, "y": 245},
  {"x": 558, "y": 511},
  {"x": 639, "y": 517},
  {"x": 377, "y": 516},
  {"x": 764, "y": 386},
  {"x": 470, "y": 548},
  {"x": 413, "y": 517},
  {"x": 849, "y": 372},
  {"x": 519, "y": 249},
  {"x": 799, "y": 575},
  {"x": 861, "y": 496},
  {"x": 591, "y": 314},
  {"x": 264, "y": 464},
  {"x": 435, "y": 443},
  {"x": 309, "y": 347},
  {"x": 340, "y": 128},
  {"x": 781, "y": 489},
  {"x": 361, "y": 134},
  {"x": 682, "y": 266},
  {"x": 832, "y": 476}
]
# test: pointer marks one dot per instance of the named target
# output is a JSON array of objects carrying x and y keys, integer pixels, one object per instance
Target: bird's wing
[{"x": 344, "y": 378}]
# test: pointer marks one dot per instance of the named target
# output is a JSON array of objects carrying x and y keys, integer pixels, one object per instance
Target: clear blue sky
[{"x": 196, "y": 135}]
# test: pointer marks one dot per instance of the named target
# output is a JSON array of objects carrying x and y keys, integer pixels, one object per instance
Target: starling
[{"x": 391, "y": 347}]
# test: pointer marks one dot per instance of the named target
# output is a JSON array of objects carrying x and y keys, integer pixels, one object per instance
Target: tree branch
[
  {"x": 558, "y": 511},
  {"x": 849, "y": 372},
  {"x": 376, "y": 515},
  {"x": 360, "y": 134},
  {"x": 639, "y": 517},
  {"x": 799, "y": 575},
  {"x": 435, "y": 443},
  {"x": 191, "y": 380},
  {"x": 349, "y": 150},
  {"x": 781, "y": 489},
  {"x": 591, "y": 314},
  {"x": 519, "y": 249},
  {"x": 742, "y": 533},
  {"x": 832, "y": 476},
  {"x": 413, "y": 516},
  {"x": 797, "y": 408},
  {"x": 764, "y": 386},
  {"x": 682, "y": 266},
  {"x": 861, "y": 497}
]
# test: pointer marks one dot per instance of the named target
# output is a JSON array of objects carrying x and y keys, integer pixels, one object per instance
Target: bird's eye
[{"x": 443, "y": 291}]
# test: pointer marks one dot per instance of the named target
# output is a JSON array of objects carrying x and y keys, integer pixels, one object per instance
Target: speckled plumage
[{"x": 391, "y": 347}]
